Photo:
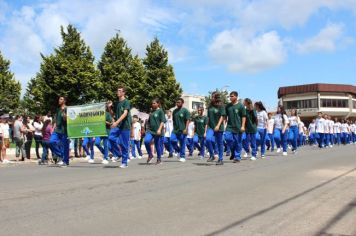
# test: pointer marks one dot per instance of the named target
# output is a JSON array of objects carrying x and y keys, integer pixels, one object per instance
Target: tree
[
  {"x": 119, "y": 67},
  {"x": 224, "y": 95},
  {"x": 69, "y": 71},
  {"x": 160, "y": 81},
  {"x": 10, "y": 89}
]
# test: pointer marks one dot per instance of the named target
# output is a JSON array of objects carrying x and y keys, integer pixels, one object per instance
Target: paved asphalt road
[{"x": 311, "y": 193}]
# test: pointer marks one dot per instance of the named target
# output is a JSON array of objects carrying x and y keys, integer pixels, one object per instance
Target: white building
[{"x": 193, "y": 102}]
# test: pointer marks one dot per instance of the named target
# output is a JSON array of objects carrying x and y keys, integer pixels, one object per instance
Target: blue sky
[{"x": 250, "y": 46}]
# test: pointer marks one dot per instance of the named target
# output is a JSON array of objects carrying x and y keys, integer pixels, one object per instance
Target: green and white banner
[{"x": 86, "y": 120}]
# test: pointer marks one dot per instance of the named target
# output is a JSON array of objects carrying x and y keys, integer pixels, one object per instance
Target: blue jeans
[
  {"x": 120, "y": 138},
  {"x": 212, "y": 136},
  {"x": 104, "y": 150},
  {"x": 262, "y": 133},
  {"x": 136, "y": 144},
  {"x": 271, "y": 141},
  {"x": 45, "y": 146},
  {"x": 321, "y": 140},
  {"x": 201, "y": 141},
  {"x": 251, "y": 139},
  {"x": 281, "y": 139},
  {"x": 59, "y": 144},
  {"x": 234, "y": 141},
  {"x": 85, "y": 143},
  {"x": 294, "y": 129},
  {"x": 158, "y": 142},
  {"x": 168, "y": 145},
  {"x": 182, "y": 139}
]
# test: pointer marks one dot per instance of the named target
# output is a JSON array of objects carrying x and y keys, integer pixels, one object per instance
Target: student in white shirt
[
  {"x": 270, "y": 138},
  {"x": 262, "y": 122},
  {"x": 312, "y": 133},
  {"x": 337, "y": 131},
  {"x": 38, "y": 125},
  {"x": 168, "y": 128},
  {"x": 4, "y": 140},
  {"x": 344, "y": 132},
  {"x": 326, "y": 131},
  {"x": 136, "y": 137},
  {"x": 353, "y": 132},
  {"x": 190, "y": 137},
  {"x": 301, "y": 128},
  {"x": 280, "y": 127},
  {"x": 331, "y": 131},
  {"x": 293, "y": 128},
  {"x": 320, "y": 129}
]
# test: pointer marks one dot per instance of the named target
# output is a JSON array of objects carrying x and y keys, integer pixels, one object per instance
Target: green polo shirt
[
  {"x": 61, "y": 124},
  {"x": 119, "y": 108},
  {"x": 251, "y": 125},
  {"x": 200, "y": 123},
  {"x": 108, "y": 118},
  {"x": 234, "y": 114},
  {"x": 156, "y": 118},
  {"x": 180, "y": 118},
  {"x": 214, "y": 114}
]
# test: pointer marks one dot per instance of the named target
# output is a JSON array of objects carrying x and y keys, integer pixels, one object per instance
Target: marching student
[
  {"x": 337, "y": 131},
  {"x": 236, "y": 120},
  {"x": 294, "y": 129},
  {"x": 89, "y": 152},
  {"x": 302, "y": 130},
  {"x": 270, "y": 139},
  {"x": 262, "y": 124},
  {"x": 154, "y": 131},
  {"x": 59, "y": 141},
  {"x": 251, "y": 127},
  {"x": 190, "y": 137},
  {"x": 327, "y": 131},
  {"x": 280, "y": 129},
  {"x": 331, "y": 132},
  {"x": 312, "y": 133},
  {"x": 344, "y": 132},
  {"x": 105, "y": 148},
  {"x": 181, "y": 118},
  {"x": 168, "y": 128},
  {"x": 136, "y": 137},
  {"x": 120, "y": 129},
  {"x": 201, "y": 126},
  {"x": 353, "y": 132},
  {"x": 216, "y": 114},
  {"x": 320, "y": 129}
]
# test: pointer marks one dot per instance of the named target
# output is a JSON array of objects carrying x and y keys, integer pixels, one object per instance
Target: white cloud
[
  {"x": 325, "y": 41},
  {"x": 242, "y": 52}
]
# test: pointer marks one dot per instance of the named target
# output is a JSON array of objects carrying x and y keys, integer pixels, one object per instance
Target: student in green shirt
[
  {"x": 201, "y": 126},
  {"x": 251, "y": 127},
  {"x": 181, "y": 118},
  {"x": 59, "y": 141},
  {"x": 155, "y": 131},
  {"x": 121, "y": 128},
  {"x": 108, "y": 121},
  {"x": 235, "y": 127},
  {"x": 216, "y": 115}
]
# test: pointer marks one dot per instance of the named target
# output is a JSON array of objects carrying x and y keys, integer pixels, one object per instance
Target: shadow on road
[{"x": 264, "y": 211}]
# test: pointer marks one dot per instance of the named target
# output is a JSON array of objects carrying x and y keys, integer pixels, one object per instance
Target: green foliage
[
  {"x": 10, "y": 89},
  {"x": 159, "y": 81},
  {"x": 69, "y": 71},
  {"x": 224, "y": 95}
]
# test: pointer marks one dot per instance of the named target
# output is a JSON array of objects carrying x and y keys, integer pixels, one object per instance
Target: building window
[
  {"x": 334, "y": 103},
  {"x": 354, "y": 102},
  {"x": 301, "y": 104},
  {"x": 196, "y": 105}
]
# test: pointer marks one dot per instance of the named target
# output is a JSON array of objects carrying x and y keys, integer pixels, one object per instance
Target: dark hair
[
  {"x": 123, "y": 88},
  {"x": 234, "y": 93},
  {"x": 46, "y": 123},
  {"x": 216, "y": 99},
  {"x": 259, "y": 104},
  {"x": 282, "y": 112},
  {"x": 135, "y": 116},
  {"x": 252, "y": 113},
  {"x": 180, "y": 99},
  {"x": 64, "y": 98},
  {"x": 37, "y": 118},
  {"x": 295, "y": 112},
  {"x": 156, "y": 100}
]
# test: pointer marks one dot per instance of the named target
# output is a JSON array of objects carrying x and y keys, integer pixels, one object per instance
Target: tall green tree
[
  {"x": 10, "y": 89},
  {"x": 69, "y": 71},
  {"x": 160, "y": 80},
  {"x": 224, "y": 95}
]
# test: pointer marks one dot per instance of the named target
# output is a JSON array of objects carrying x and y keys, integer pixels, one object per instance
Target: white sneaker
[
  {"x": 87, "y": 158},
  {"x": 278, "y": 150},
  {"x": 246, "y": 155},
  {"x": 182, "y": 159},
  {"x": 91, "y": 161},
  {"x": 253, "y": 158},
  {"x": 256, "y": 153},
  {"x": 294, "y": 151},
  {"x": 128, "y": 160},
  {"x": 123, "y": 166},
  {"x": 263, "y": 156},
  {"x": 289, "y": 147},
  {"x": 331, "y": 146},
  {"x": 139, "y": 157},
  {"x": 60, "y": 163},
  {"x": 6, "y": 161},
  {"x": 285, "y": 154},
  {"x": 105, "y": 162},
  {"x": 114, "y": 159},
  {"x": 175, "y": 154}
]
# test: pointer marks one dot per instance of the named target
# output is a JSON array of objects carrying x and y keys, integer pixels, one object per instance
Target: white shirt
[
  {"x": 311, "y": 128},
  {"x": 331, "y": 126},
  {"x": 191, "y": 128},
  {"x": 278, "y": 121},
  {"x": 293, "y": 121},
  {"x": 38, "y": 128},
  {"x": 326, "y": 126},
  {"x": 262, "y": 119},
  {"x": 337, "y": 127},
  {"x": 5, "y": 130},
  {"x": 136, "y": 131},
  {"x": 301, "y": 127},
  {"x": 344, "y": 128},
  {"x": 319, "y": 124},
  {"x": 270, "y": 125},
  {"x": 168, "y": 126},
  {"x": 353, "y": 126}
]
